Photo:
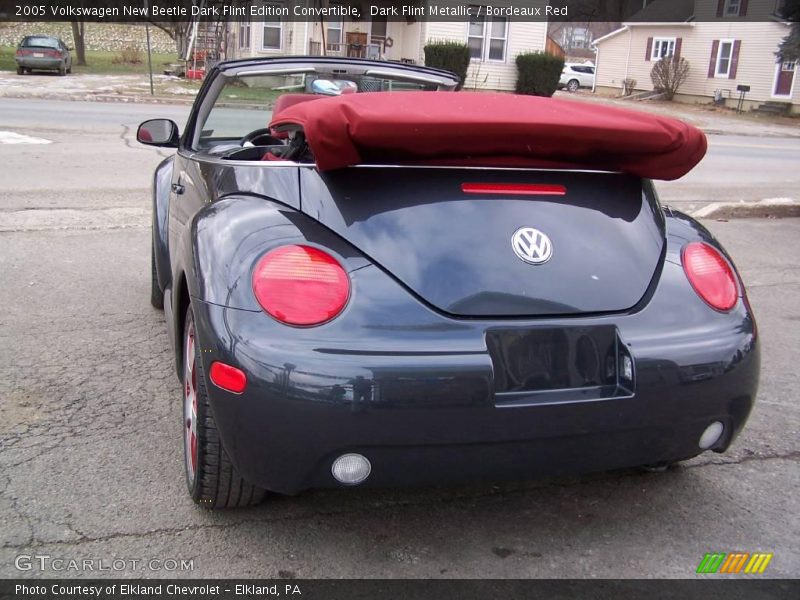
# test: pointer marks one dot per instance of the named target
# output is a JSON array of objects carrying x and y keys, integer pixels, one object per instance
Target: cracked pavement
[{"x": 90, "y": 445}]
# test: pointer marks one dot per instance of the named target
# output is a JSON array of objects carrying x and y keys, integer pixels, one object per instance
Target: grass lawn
[
  {"x": 244, "y": 95},
  {"x": 98, "y": 62}
]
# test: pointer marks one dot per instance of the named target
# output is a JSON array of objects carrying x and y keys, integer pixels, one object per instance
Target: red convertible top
[{"x": 489, "y": 129}]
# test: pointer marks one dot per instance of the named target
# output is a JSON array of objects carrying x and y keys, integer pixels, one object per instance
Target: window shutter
[
  {"x": 649, "y": 52},
  {"x": 735, "y": 59},
  {"x": 677, "y": 54},
  {"x": 713, "y": 64},
  {"x": 720, "y": 8},
  {"x": 743, "y": 8}
]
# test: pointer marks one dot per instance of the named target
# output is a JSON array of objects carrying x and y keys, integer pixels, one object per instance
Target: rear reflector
[
  {"x": 710, "y": 275},
  {"x": 300, "y": 285},
  {"x": 227, "y": 377},
  {"x": 514, "y": 189},
  {"x": 711, "y": 435}
]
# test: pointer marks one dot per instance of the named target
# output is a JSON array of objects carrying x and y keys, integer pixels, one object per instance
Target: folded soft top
[{"x": 490, "y": 129}]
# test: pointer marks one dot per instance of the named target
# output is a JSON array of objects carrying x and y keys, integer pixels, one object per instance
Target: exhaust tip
[{"x": 351, "y": 469}]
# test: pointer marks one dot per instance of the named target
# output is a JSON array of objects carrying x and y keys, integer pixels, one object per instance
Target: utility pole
[{"x": 149, "y": 52}]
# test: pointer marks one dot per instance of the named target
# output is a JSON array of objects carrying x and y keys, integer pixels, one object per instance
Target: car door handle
[{"x": 178, "y": 188}]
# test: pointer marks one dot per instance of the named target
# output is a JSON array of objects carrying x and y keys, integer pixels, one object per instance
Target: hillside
[{"x": 99, "y": 36}]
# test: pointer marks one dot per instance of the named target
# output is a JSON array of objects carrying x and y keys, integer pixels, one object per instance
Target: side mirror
[{"x": 158, "y": 132}]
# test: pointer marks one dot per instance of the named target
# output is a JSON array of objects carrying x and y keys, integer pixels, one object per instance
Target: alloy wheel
[{"x": 190, "y": 406}]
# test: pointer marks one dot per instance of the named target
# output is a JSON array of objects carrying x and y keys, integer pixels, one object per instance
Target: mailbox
[{"x": 742, "y": 88}]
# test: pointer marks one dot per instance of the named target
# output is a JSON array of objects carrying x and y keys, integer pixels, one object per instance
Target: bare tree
[
  {"x": 179, "y": 32},
  {"x": 79, "y": 40},
  {"x": 179, "y": 28},
  {"x": 669, "y": 74},
  {"x": 790, "y": 46}
]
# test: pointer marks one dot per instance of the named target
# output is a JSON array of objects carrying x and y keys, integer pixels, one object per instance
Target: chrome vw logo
[{"x": 531, "y": 245}]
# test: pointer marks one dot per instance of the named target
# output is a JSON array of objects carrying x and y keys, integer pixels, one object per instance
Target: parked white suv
[{"x": 577, "y": 75}]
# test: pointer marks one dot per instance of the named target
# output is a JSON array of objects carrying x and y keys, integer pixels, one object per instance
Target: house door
[{"x": 785, "y": 78}]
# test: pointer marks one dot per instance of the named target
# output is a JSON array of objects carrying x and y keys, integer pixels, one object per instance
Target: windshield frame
[{"x": 221, "y": 74}]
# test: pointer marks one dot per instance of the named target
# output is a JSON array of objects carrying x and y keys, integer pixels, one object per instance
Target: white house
[
  {"x": 728, "y": 43},
  {"x": 494, "y": 41}
]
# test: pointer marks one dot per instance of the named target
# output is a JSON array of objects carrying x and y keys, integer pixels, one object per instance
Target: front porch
[{"x": 375, "y": 39}]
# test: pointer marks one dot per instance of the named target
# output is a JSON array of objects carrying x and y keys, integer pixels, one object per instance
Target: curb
[
  {"x": 89, "y": 97},
  {"x": 762, "y": 134},
  {"x": 126, "y": 99},
  {"x": 769, "y": 208}
]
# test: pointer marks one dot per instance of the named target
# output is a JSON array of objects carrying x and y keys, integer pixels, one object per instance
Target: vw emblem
[{"x": 531, "y": 245}]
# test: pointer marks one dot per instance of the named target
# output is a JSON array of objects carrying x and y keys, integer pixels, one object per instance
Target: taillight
[
  {"x": 514, "y": 189},
  {"x": 300, "y": 285},
  {"x": 227, "y": 377},
  {"x": 710, "y": 275}
]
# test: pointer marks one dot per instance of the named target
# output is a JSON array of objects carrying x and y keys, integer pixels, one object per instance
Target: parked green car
[{"x": 43, "y": 53}]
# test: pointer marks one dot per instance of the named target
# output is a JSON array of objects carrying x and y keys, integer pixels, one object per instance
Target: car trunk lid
[{"x": 457, "y": 250}]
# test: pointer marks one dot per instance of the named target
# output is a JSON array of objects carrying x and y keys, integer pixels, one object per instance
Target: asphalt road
[
  {"x": 735, "y": 168},
  {"x": 738, "y": 168},
  {"x": 90, "y": 446}
]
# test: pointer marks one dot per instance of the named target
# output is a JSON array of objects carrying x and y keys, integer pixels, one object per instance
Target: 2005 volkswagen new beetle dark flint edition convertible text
[{"x": 370, "y": 278}]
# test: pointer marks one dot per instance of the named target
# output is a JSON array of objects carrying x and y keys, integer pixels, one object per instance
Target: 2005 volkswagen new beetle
[{"x": 370, "y": 278}]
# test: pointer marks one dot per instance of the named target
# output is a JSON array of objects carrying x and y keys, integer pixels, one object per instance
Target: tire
[
  {"x": 573, "y": 85},
  {"x": 20, "y": 71},
  {"x": 62, "y": 70},
  {"x": 212, "y": 480},
  {"x": 69, "y": 70},
  {"x": 156, "y": 295}
]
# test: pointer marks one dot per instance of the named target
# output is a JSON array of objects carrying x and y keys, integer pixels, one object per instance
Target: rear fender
[
  {"x": 683, "y": 229},
  {"x": 230, "y": 235}
]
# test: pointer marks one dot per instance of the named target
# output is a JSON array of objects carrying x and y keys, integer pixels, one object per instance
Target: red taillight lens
[
  {"x": 300, "y": 285},
  {"x": 227, "y": 377},
  {"x": 710, "y": 275}
]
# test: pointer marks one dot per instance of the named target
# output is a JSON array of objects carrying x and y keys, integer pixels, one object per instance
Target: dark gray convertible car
[{"x": 371, "y": 279}]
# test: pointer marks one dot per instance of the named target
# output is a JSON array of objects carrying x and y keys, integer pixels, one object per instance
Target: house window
[
  {"x": 487, "y": 38},
  {"x": 244, "y": 35},
  {"x": 378, "y": 27},
  {"x": 732, "y": 8},
  {"x": 273, "y": 34},
  {"x": 662, "y": 47},
  {"x": 333, "y": 34},
  {"x": 724, "y": 55}
]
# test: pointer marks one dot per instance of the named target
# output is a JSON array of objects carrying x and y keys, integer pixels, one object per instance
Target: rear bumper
[
  {"x": 417, "y": 397},
  {"x": 48, "y": 64}
]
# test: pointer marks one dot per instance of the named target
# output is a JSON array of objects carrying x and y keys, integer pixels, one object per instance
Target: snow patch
[{"x": 9, "y": 137}]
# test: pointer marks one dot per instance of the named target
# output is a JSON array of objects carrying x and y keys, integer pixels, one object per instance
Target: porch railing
[{"x": 373, "y": 51}]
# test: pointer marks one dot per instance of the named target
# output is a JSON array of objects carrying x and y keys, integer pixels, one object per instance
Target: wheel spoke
[{"x": 190, "y": 405}]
